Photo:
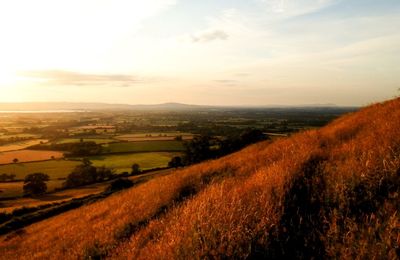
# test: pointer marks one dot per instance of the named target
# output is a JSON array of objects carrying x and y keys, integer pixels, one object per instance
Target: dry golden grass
[{"x": 332, "y": 192}]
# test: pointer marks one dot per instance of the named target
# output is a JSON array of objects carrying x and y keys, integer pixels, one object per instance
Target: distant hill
[
  {"x": 319, "y": 194},
  {"x": 46, "y": 106},
  {"x": 90, "y": 106}
]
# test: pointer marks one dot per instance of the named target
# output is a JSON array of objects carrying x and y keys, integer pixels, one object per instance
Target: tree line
[{"x": 205, "y": 147}]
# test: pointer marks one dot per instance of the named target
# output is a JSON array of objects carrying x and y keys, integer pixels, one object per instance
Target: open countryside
[
  {"x": 180, "y": 130},
  {"x": 29, "y": 156},
  {"x": 21, "y": 145}
]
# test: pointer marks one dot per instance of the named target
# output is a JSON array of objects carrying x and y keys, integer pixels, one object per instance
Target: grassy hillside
[{"x": 332, "y": 192}]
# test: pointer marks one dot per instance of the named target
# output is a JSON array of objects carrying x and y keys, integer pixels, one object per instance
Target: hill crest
[{"x": 327, "y": 193}]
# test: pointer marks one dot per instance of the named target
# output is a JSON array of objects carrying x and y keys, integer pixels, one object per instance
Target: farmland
[
  {"x": 59, "y": 169},
  {"x": 143, "y": 146},
  {"x": 77, "y": 140},
  {"x": 21, "y": 145},
  {"x": 54, "y": 168},
  {"x": 29, "y": 156},
  {"x": 8, "y": 137},
  {"x": 310, "y": 192},
  {"x": 153, "y": 137},
  {"x": 149, "y": 139},
  {"x": 8, "y": 205},
  {"x": 14, "y": 189},
  {"x": 123, "y": 162}
]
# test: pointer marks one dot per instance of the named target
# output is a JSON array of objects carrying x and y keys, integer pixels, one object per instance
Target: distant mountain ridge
[
  {"x": 41, "y": 106},
  {"x": 89, "y": 106}
]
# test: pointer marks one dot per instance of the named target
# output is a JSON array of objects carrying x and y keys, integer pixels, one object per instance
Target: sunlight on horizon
[{"x": 244, "y": 52}]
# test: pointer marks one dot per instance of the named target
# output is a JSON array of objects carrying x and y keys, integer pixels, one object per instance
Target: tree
[
  {"x": 103, "y": 173},
  {"x": 175, "y": 162},
  {"x": 86, "y": 162},
  {"x": 199, "y": 150},
  {"x": 35, "y": 183},
  {"x": 136, "y": 169},
  {"x": 15, "y": 160},
  {"x": 85, "y": 174},
  {"x": 178, "y": 138},
  {"x": 81, "y": 175}
]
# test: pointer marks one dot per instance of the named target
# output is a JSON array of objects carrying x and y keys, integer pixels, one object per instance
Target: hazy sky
[{"x": 244, "y": 52}]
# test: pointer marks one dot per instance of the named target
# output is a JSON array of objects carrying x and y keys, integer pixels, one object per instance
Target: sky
[{"x": 211, "y": 52}]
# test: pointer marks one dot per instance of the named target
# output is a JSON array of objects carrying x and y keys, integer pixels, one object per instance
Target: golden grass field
[{"x": 328, "y": 193}]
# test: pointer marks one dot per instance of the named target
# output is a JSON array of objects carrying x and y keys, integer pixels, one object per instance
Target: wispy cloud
[
  {"x": 208, "y": 36},
  {"x": 228, "y": 82},
  {"x": 295, "y": 7},
  {"x": 70, "y": 78}
]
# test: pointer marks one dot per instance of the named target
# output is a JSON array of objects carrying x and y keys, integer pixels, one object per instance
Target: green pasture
[
  {"x": 123, "y": 162},
  {"x": 145, "y": 146},
  {"x": 77, "y": 140},
  {"x": 54, "y": 168}
]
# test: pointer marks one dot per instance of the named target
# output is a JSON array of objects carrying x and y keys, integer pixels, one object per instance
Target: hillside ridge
[{"x": 326, "y": 193}]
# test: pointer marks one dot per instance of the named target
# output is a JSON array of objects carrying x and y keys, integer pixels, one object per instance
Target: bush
[
  {"x": 175, "y": 162},
  {"x": 119, "y": 184},
  {"x": 136, "y": 169}
]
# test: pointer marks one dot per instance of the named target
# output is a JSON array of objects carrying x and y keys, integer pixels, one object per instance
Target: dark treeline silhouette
[
  {"x": 206, "y": 147},
  {"x": 86, "y": 173}
]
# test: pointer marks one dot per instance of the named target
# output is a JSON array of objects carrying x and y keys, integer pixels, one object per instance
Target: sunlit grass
[{"x": 328, "y": 193}]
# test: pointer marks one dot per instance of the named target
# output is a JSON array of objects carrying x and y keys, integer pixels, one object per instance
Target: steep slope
[{"x": 332, "y": 192}]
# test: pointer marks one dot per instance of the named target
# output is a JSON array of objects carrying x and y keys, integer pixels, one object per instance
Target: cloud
[
  {"x": 68, "y": 78},
  {"x": 209, "y": 35},
  {"x": 295, "y": 7},
  {"x": 228, "y": 82}
]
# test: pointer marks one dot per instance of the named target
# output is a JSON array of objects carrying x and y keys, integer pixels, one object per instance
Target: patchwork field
[
  {"x": 13, "y": 136},
  {"x": 54, "y": 168},
  {"x": 153, "y": 137},
  {"x": 21, "y": 145},
  {"x": 123, "y": 162},
  {"x": 61, "y": 168},
  {"x": 77, "y": 140},
  {"x": 319, "y": 194},
  {"x": 8, "y": 205},
  {"x": 29, "y": 156},
  {"x": 145, "y": 146}
]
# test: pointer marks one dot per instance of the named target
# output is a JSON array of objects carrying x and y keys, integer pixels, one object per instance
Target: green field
[
  {"x": 123, "y": 162},
  {"x": 76, "y": 140},
  {"x": 167, "y": 136},
  {"x": 54, "y": 168},
  {"x": 146, "y": 146}
]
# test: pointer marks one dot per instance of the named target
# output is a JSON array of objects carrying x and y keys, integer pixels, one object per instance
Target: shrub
[{"x": 119, "y": 184}]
